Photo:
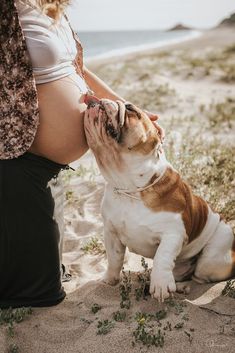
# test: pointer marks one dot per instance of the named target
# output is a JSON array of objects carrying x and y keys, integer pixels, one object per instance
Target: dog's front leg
[
  {"x": 162, "y": 279},
  {"x": 115, "y": 253}
]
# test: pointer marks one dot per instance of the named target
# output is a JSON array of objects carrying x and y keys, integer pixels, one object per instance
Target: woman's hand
[{"x": 154, "y": 117}]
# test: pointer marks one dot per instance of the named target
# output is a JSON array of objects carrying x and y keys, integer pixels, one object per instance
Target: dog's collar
[{"x": 129, "y": 193}]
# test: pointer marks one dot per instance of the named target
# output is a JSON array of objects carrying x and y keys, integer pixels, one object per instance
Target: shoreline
[
  {"x": 221, "y": 36},
  {"x": 117, "y": 53}
]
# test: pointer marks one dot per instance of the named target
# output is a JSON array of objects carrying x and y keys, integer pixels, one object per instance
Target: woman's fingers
[
  {"x": 160, "y": 130},
  {"x": 152, "y": 116}
]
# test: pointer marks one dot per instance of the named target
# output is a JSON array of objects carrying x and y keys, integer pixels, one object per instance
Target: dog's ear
[{"x": 132, "y": 108}]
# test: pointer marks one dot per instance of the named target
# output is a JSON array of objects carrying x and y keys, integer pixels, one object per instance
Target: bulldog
[{"x": 148, "y": 208}]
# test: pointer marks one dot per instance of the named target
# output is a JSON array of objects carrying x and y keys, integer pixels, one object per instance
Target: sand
[{"x": 207, "y": 317}]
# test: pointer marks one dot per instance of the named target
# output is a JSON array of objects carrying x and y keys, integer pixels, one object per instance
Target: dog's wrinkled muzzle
[{"x": 115, "y": 111}]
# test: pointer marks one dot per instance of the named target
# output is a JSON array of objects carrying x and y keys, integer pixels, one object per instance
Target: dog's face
[{"x": 115, "y": 129}]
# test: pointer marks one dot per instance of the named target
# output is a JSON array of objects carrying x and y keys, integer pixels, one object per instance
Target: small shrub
[
  {"x": 178, "y": 306},
  {"x": 161, "y": 314},
  {"x": 69, "y": 195},
  {"x": 94, "y": 246},
  {"x": 119, "y": 316},
  {"x": 229, "y": 289},
  {"x": 95, "y": 308},
  {"x": 125, "y": 290},
  {"x": 104, "y": 327},
  {"x": 13, "y": 349},
  {"x": 10, "y": 317},
  {"x": 148, "y": 335},
  {"x": 144, "y": 279}
]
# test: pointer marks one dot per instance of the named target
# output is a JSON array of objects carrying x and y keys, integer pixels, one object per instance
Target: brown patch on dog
[
  {"x": 139, "y": 133},
  {"x": 172, "y": 194}
]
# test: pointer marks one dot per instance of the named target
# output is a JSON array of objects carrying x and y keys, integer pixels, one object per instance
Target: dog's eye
[
  {"x": 111, "y": 130},
  {"x": 129, "y": 106},
  {"x": 119, "y": 137},
  {"x": 116, "y": 134}
]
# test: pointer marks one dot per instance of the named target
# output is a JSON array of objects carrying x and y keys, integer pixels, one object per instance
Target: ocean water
[{"x": 111, "y": 43}]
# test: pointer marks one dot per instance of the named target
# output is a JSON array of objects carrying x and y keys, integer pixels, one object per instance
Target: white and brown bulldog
[{"x": 148, "y": 208}]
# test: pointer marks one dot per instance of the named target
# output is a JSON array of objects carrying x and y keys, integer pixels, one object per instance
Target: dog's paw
[
  {"x": 110, "y": 279},
  {"x": 162, "y": 285}
]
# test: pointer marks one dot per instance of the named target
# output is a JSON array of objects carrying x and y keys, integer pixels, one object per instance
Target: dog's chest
[{"x": 138, "y": 227}]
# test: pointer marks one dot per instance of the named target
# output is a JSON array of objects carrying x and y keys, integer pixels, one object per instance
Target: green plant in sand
[
  {"x": 69, "y": 195},
  {"x": 151, "y": 328},
  {"x": 95, "y": 308},
  {"x": 125, "y": 290},
  {"x": 177, "y": 306},
  {"x": 168, "y": 326},
  {"x": 161, "y": 314},
  {"x": 144, "y": 279},
  {"x": 10, "y": 317},
  {"x": 147, "y": 333},
  {"x": 179, "y": 325},
  {"x": 158, "y": 316},
  {"x": 229, "y": 289},
  {"x": 13, "y": 348},
  {"x": 94, "y": 246},
  {"x": 119, "y": 316},
  {"x": 104, "y": 327}
]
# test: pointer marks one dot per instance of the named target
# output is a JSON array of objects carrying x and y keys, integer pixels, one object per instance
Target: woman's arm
[{"x": 100, "y": 88}]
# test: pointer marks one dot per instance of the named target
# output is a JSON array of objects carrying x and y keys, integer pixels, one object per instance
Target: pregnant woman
[{"x": 42, "y": 89}]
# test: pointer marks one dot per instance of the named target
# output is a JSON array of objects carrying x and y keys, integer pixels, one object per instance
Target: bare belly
[{"x": 60, "y": 135}]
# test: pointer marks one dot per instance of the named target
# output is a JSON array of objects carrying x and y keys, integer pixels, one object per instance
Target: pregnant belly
[{"x": 60, "y": 135}]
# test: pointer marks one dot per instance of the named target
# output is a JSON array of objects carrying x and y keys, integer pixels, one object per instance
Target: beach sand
[{"x": 191, "y": 86}]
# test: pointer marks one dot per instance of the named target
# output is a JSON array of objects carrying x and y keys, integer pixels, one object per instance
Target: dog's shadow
[
  {"x": 198, "y": 290},
  {"x": 209, "y": 297}
]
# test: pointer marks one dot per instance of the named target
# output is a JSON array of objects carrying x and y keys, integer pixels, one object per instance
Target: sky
[{"x": 98, "y": 15}]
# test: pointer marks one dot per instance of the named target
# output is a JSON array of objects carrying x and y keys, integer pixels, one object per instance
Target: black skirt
[{"x": 29, "y": 255}]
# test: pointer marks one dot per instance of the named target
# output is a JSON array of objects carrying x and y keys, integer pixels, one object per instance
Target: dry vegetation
[{"x": 218, "y": 64}]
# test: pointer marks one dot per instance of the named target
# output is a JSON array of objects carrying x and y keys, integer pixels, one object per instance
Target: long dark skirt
[{"x": 29, "y": 256}]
